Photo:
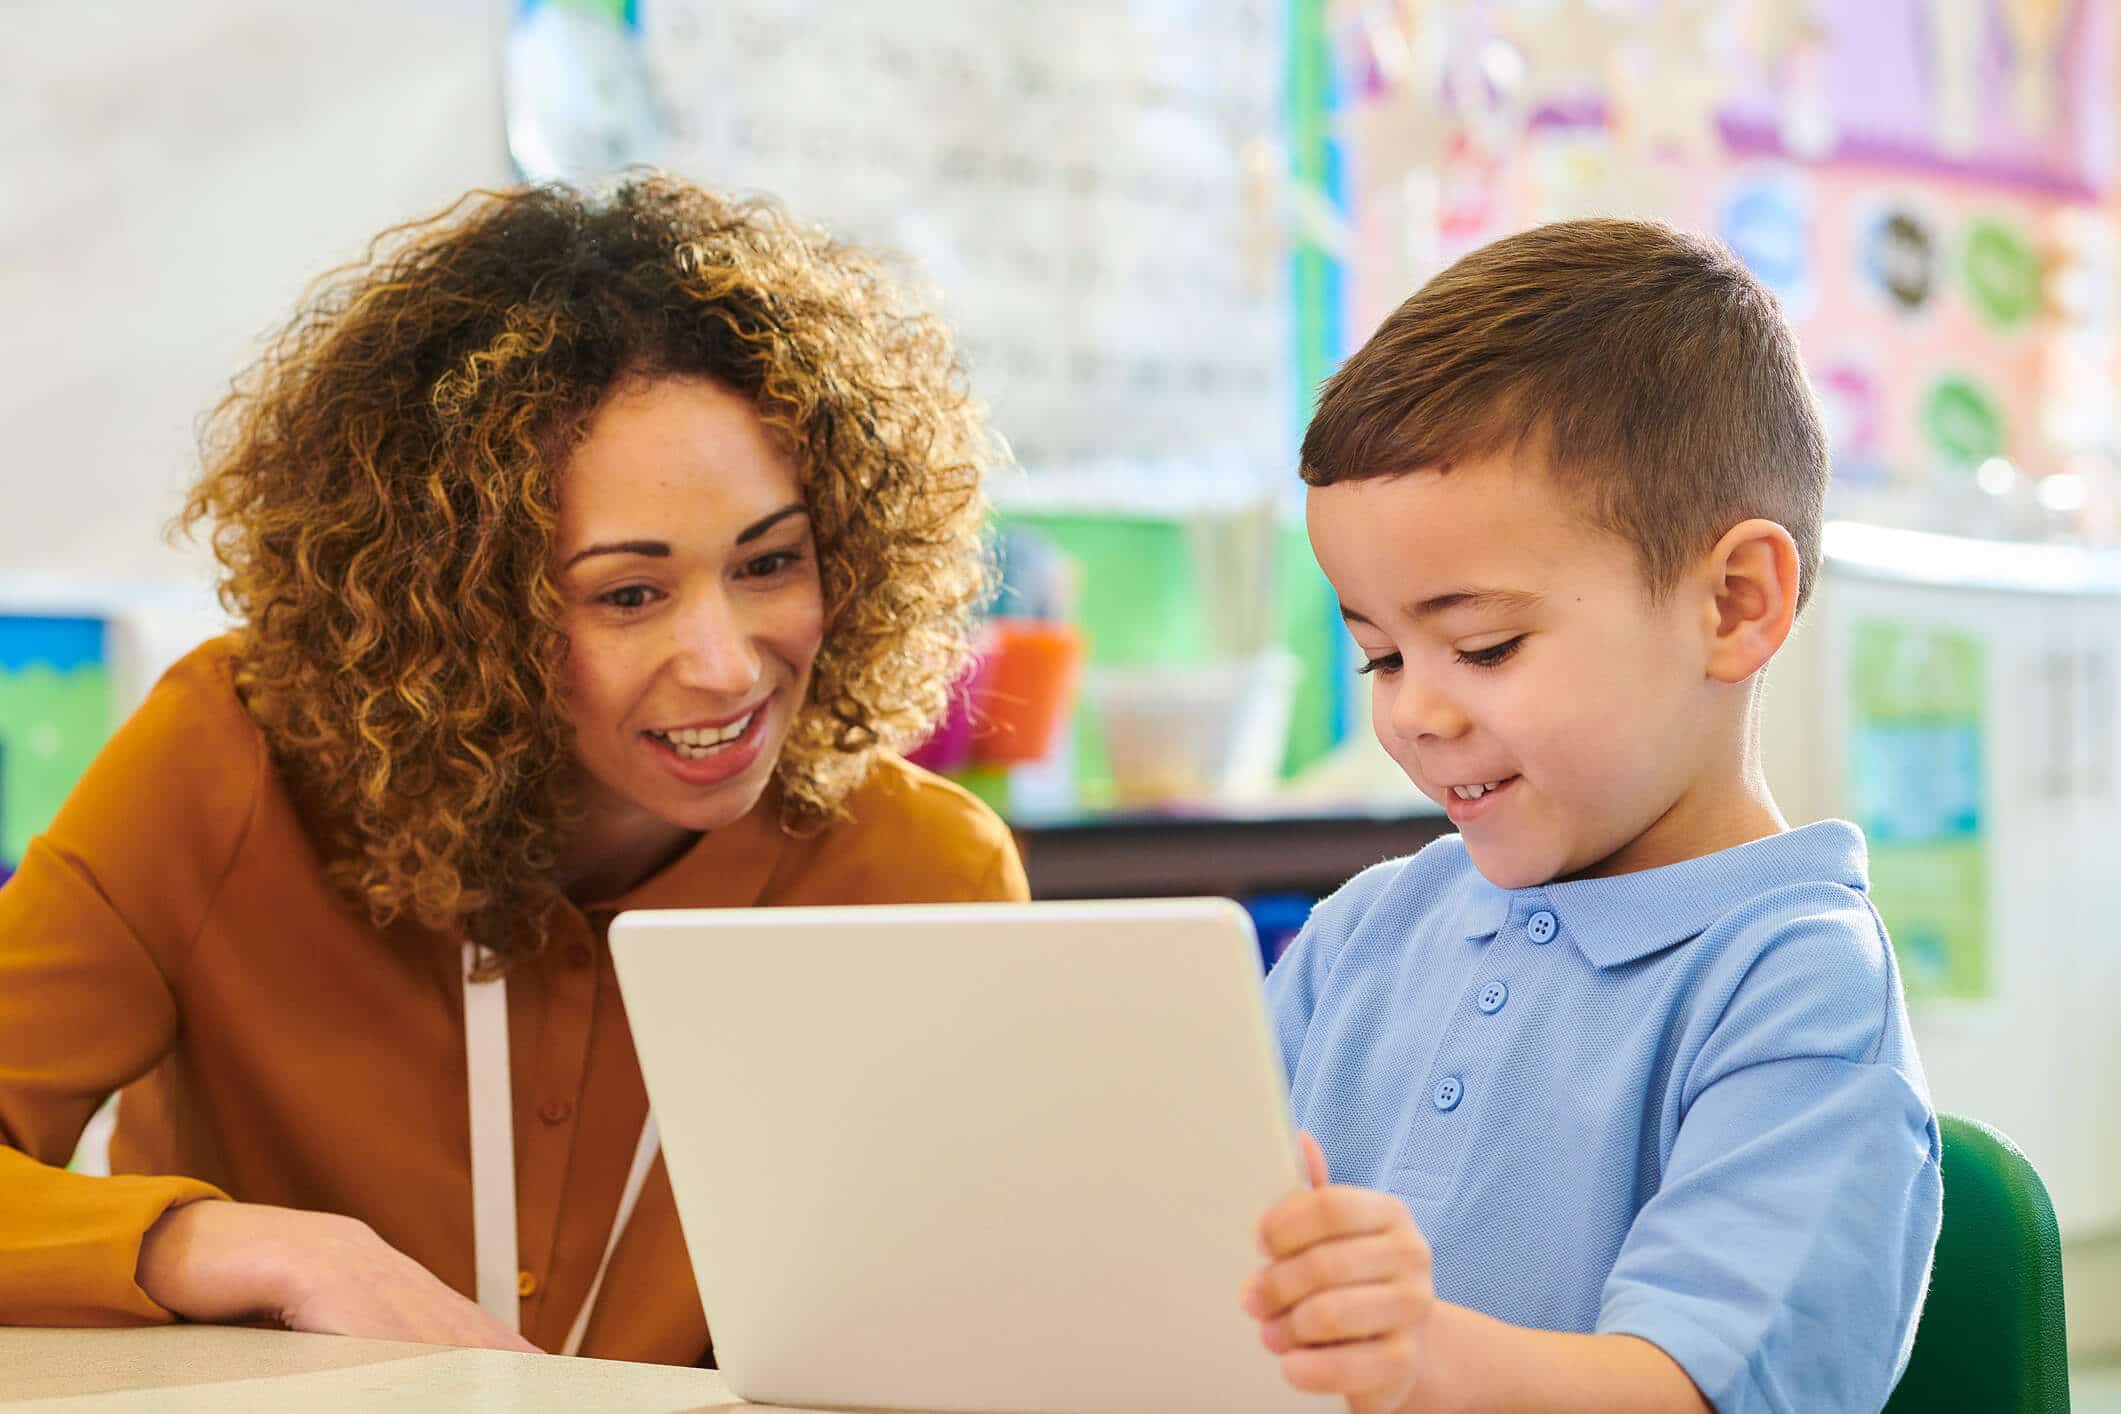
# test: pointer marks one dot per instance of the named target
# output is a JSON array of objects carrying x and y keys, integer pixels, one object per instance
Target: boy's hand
[{"x": 1345, "y": 1291}]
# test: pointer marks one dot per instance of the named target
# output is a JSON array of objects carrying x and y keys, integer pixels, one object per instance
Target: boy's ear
[{"x": 1752, "y": 601}]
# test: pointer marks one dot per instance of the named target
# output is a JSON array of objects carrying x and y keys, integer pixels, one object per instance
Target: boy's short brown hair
[{"x": 1654, "y": 371}]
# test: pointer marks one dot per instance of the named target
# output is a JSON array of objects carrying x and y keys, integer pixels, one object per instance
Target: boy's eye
[
  {"x": 1492, "y": 657},
  {"x": 1387, "y": 664},
  {"x": 632, "y": 596}
]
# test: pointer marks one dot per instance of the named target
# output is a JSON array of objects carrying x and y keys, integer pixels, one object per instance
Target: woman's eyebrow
[
  {"x": 660, "y": 549},
  {"x": 657, "y": 549},
  {"x": 757, "y": 528}
]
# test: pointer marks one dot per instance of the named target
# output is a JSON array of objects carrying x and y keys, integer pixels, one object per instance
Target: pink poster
[{"x": 1940, "y": 249}]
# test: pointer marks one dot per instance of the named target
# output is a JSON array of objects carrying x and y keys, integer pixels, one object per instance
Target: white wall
[{"x": 171, "y": 176}]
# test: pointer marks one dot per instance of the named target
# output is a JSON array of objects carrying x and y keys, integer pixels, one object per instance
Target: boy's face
[{"x": 1517, "y": 654}]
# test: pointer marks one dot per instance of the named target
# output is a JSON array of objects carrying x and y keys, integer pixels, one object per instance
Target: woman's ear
[{"x": 1752, "y": 601}]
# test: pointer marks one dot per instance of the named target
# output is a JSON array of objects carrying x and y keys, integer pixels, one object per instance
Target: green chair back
[{"x": 1991, "y": 1337}]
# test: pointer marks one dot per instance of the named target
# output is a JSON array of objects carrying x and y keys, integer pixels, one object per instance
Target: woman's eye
[
  {"x": 1491, "y": 657},
  {"x": 766, "y": 566},
  {"x": 1388, "y": 664},
  {"x": 633, "y": 596}
]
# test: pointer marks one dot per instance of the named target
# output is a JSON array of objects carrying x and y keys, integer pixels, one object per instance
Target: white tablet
[{"x": 1005, "y": 1158}]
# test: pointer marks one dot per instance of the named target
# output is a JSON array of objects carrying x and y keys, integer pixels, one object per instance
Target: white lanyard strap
[
  {"x": 493, "y": 1142},
  {"x": 493, "y": 1160},
  {"x": 643, "y": 1160}
]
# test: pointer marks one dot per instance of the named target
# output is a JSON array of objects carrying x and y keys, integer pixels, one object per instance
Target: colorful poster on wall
[
  {"x": 1900, "y": 258},
  {"x": 1917, "y": 718},
  {"x": 2016, "y": 92},
  {"x": 1852, "y": 401},
  {"x": 1767, "y": 220},
  {"x": 1066, "y": 180},
  {"x": 1961, "y": 421},
  {"x": 2003, "y": 276},
  {"x": 1913, "y": 244},
  {"x": 55, "y": 709}
]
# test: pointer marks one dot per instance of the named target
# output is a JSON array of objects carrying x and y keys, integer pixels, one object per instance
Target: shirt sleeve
[
  {"x": 1783, "y": 1259},
  {"x": 86, "y": 928},
  {"x": 911, "y": 837},
  {"x": 1004, "y": 881}
]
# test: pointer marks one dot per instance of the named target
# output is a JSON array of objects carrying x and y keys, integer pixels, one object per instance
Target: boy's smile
[
  {"x": 1522, "y": 676},
  {"x": 1468, "y": 803}
]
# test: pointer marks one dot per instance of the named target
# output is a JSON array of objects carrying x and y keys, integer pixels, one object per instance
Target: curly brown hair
[{"x": 383, "y": 483}]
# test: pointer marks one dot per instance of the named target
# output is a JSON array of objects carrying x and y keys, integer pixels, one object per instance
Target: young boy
[{"x": 1627, "y": 1054}]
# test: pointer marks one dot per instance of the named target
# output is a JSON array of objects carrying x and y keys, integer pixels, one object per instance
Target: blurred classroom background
[{"x": 1157, "y": 224}]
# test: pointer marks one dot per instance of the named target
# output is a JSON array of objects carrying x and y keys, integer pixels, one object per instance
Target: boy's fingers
[
  {"x": 1314, "y": 1160},
  {"x": 1348, "y": 1313},
  {"x": 1307, "y": 1219},
  {"x": 1387, "y": 1256},
  {"x": 1352, "y": 1369}
]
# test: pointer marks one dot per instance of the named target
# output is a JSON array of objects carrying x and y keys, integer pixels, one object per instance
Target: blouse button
[
  {"x": 555, "y": 1111},
  {"x": 526, "y": 1284}
]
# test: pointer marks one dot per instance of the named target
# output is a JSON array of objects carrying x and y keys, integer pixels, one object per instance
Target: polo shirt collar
[{"x": 1628, "y": 916}]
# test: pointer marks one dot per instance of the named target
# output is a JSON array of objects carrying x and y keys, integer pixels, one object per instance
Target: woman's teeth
[
  {"x": 694, "y": 743},
  {"x": 1476, "y": 792}
]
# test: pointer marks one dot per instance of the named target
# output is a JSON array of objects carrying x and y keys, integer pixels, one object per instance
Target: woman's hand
[
  {"x": 224, "y": 1262},
  {"x": 1345, "y": 1292}
]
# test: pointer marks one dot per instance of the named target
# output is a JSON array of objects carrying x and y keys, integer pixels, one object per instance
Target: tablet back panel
[{"x": 991, "y": 1157}]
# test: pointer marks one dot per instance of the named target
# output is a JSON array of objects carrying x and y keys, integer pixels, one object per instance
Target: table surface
[{"x": 190, "y": 1369}]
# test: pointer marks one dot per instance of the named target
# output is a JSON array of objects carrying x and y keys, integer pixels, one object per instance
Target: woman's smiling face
[{"x": 692, "y": 610}]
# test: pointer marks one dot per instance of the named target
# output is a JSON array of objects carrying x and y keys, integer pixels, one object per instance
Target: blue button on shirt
[{"x": 1699, "y": 1120}]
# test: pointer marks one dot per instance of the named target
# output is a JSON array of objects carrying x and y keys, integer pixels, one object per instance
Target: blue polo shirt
[{"x": 1681, "y": 1104}]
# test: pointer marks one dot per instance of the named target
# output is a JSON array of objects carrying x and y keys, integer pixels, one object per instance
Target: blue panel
[{"x": 61, "y": 644}]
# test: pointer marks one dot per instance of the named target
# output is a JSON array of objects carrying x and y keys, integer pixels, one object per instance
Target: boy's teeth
[{"x": 1474, "y": 792}]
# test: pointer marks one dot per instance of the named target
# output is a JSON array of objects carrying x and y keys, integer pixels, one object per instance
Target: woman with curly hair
[{"x": 587, "y": 554}]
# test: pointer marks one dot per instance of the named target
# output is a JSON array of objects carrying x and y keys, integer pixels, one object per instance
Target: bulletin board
[
  {"x": 1917, "y": 719},
  {"x": 1919, "y": 304},
  {"x": 1070, "y": 179},
  {"x": 1921, "y": 182},
  {"x": 55, "y": 710}
]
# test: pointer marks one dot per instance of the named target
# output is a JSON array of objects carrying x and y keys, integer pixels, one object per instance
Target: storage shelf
[{"x": 1225, "y": 856}]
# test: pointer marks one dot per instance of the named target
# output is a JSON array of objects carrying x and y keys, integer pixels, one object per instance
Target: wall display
[
  {"x": 1873, "y": 270},
  {"x": 1981, "y": 89},
  {"x": 2002, "y": 272},
  {"x": 1900, "y": 258},
  {"x": 1962, "y": 422},
  {"x": 578, "y": 99},
  {"x": 55, "y": 709},
  {"x": 1852, "y": 403},
  {"x": 1768, "y": 222},
  {"x": 1070, "y": 179},
  {"x": 1917, "y": 718},
  {"x": 1918, "y": 235}
]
